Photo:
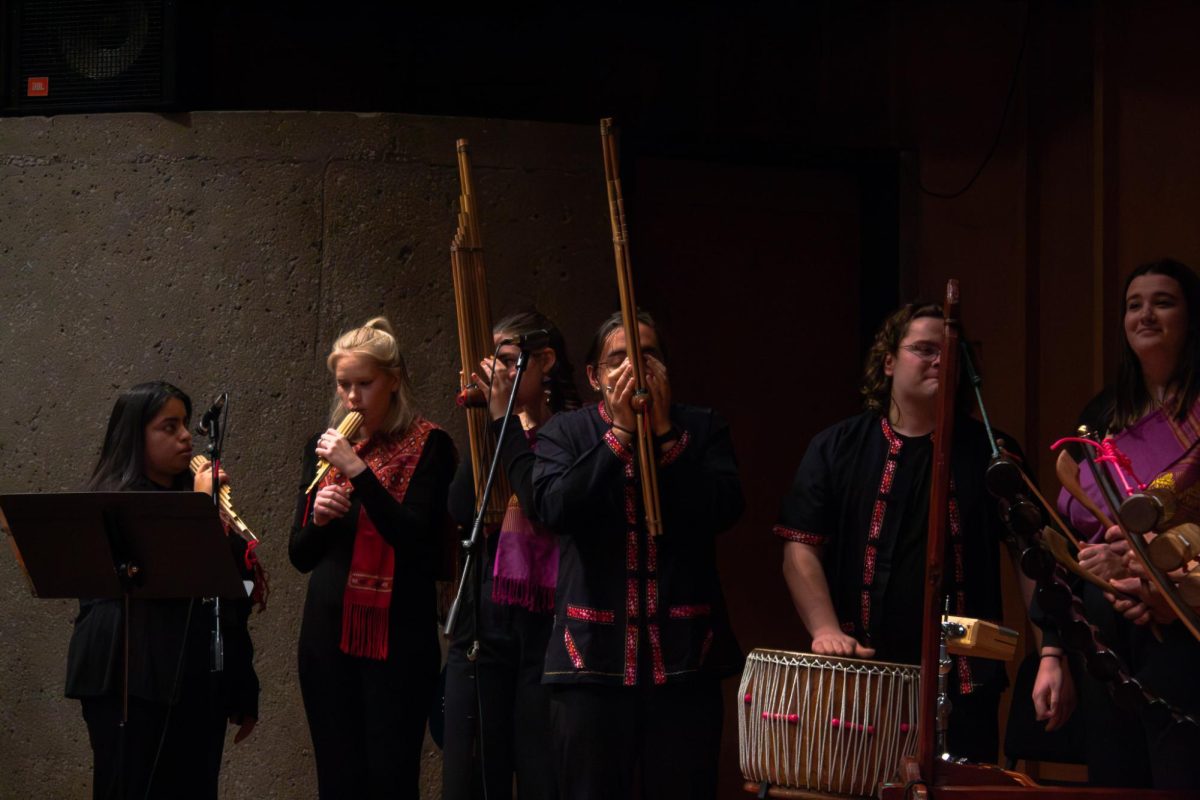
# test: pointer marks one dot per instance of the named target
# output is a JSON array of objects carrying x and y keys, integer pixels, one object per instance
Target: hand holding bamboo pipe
[
  {"x": 200, "y": 464},
  {"x": 348, "y": 427}
]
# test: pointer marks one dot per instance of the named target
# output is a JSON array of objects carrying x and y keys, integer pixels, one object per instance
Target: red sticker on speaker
[{"x": 38, "y": 87}]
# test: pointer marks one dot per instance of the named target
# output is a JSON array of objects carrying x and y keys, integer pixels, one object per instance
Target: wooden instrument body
[
  {"x": 983, "y": 639},
  {"x": 475, "y": 343}
]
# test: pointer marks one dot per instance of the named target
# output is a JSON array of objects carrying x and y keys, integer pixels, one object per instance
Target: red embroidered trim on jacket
[
  {"x": 591, "y": 614},
  {"x": 619, "y": 450},
  {"x": 656, "y": 657},
  {"x": 870, "y": 553},
  {"x": 965, "y": 684},
  {"x": 689, "y": 612},
  {"x": 572, "y": 650},
  {"x": 631, "y": 643},
  {"x": 803, "y": 537},
  {"x": 672, "y": 455}
]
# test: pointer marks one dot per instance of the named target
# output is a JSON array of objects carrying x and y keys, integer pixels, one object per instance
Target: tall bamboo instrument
[
  {"x": 474, "y": 317},
  {"x": 347, "y": 427},
  {"x": 644, "y": 436}
]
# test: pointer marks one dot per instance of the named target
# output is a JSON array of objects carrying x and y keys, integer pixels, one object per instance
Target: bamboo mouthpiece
[{"x": 348, "y": 427}]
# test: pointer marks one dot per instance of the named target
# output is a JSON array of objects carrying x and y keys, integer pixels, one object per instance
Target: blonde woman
[{"x": 369, "y": 536}]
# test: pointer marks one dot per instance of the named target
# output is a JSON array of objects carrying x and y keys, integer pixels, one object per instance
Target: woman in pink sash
[
  {"x": 1153, "y": 415},
  {"x": 518, "y": 590}
]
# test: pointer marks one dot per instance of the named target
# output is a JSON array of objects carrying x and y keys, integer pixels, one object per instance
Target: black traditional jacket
[
  {"x": 631, "y": 608},
  {"x": 860, "y": 493}
]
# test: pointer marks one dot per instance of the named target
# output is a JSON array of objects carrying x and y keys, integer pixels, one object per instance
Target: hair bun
[{"x": 380, "y": 324}]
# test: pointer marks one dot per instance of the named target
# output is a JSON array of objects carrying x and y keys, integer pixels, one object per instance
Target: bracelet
[
  {"x": 1059, "y": 656},
  {"x": 671, "y": 435},
  {"x": 622, "y": 429}
]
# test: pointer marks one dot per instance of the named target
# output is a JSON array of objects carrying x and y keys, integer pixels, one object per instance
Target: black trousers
[
  {"x": 189, "y": 764},
  {"x": 657, "y": 743},
  {"x": 1140, "y": 749},
  {"x": 367, "y": 718},
  {"x": 975, "y": 725},
  {"x": 515, "y": 706}
]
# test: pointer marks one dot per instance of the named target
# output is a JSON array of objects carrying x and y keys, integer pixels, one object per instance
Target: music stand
[{"x": 129, "y": 545}]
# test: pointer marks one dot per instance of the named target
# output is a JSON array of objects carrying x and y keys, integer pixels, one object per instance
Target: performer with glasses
[{"x": 856, "y": 518}]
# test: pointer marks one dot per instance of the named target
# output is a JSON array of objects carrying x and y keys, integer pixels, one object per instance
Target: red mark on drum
[
  {"x": 836, "y": 723},
  {"x": 789, "y": 718},
  {"x": 748, "y": 698}
]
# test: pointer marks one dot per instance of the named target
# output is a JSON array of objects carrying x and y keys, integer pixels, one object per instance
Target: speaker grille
[{"x": 92, "y": 54}]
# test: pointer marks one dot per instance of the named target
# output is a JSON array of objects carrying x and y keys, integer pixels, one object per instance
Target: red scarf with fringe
[{"x": 368, "y": 597}]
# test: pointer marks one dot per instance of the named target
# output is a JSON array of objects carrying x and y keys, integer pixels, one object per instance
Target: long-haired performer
[
  {"x": 369, "y": 534},
  {"x": 1153, "y": 411},
  {"x": 178, "y": 707},
  {"x": 518, "y": 589},
  {"x": 856, "y": 519}
]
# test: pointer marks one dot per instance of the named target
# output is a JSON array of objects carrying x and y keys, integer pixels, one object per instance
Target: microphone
[
  {"x": 210, "y": 416},
  {"x": 534, "y": 340}
]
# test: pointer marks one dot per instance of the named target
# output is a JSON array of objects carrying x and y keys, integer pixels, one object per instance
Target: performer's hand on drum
[
  {"x": 836, "y": 643},
  {"x": 332, "y": 502}
]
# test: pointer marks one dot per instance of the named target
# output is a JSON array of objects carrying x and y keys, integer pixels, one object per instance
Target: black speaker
[{"x": 89, "y": 55}]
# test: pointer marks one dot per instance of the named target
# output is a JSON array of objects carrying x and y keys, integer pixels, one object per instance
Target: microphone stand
[
  {"x": 470, "y": 584},
  {"x": 215, "y": 444}
]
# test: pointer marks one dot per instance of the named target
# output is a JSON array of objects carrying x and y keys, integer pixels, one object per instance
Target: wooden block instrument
[
  {"x": 983, "y": 639},
  {"x": 224, "y": 497},
  {"x": 347, "y": 427}
]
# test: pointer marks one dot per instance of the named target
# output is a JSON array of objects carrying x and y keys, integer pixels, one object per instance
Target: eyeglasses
[{"x": 925, "y": 352}]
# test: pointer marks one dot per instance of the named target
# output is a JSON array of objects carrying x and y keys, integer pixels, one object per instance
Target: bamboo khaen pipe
[
  {"x": 347, "y": 427},
  {"x": 647, "y": 457},
  {"x": 474, "y": 321},
  {"x": 225, "y": 498}
]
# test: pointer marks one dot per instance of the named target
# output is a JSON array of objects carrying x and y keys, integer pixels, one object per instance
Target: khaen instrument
[
  {"x": 474, "y": 318},
  {"x": 347, "y": 427},
  {"x": 225, "y": 498},
  {"x": 646, "y": 459}
]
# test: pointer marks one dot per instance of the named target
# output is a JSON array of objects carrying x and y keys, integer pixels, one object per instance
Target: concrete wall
[{"x": 225, "y": 252}]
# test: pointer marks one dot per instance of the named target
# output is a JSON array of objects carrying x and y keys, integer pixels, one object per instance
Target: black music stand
[{"x": 129, "y": 545}]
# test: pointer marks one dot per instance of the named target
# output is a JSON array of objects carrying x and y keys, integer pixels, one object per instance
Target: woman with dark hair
[
  {"x": 178, "y": 707},
  {"x": 369, "y": 537},
  {"x": 641, "y": 636},
  {"x": 856, "y": 519},
  {"x": 1153, "y": 415},
  {"x": 520, "y": 572}
]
